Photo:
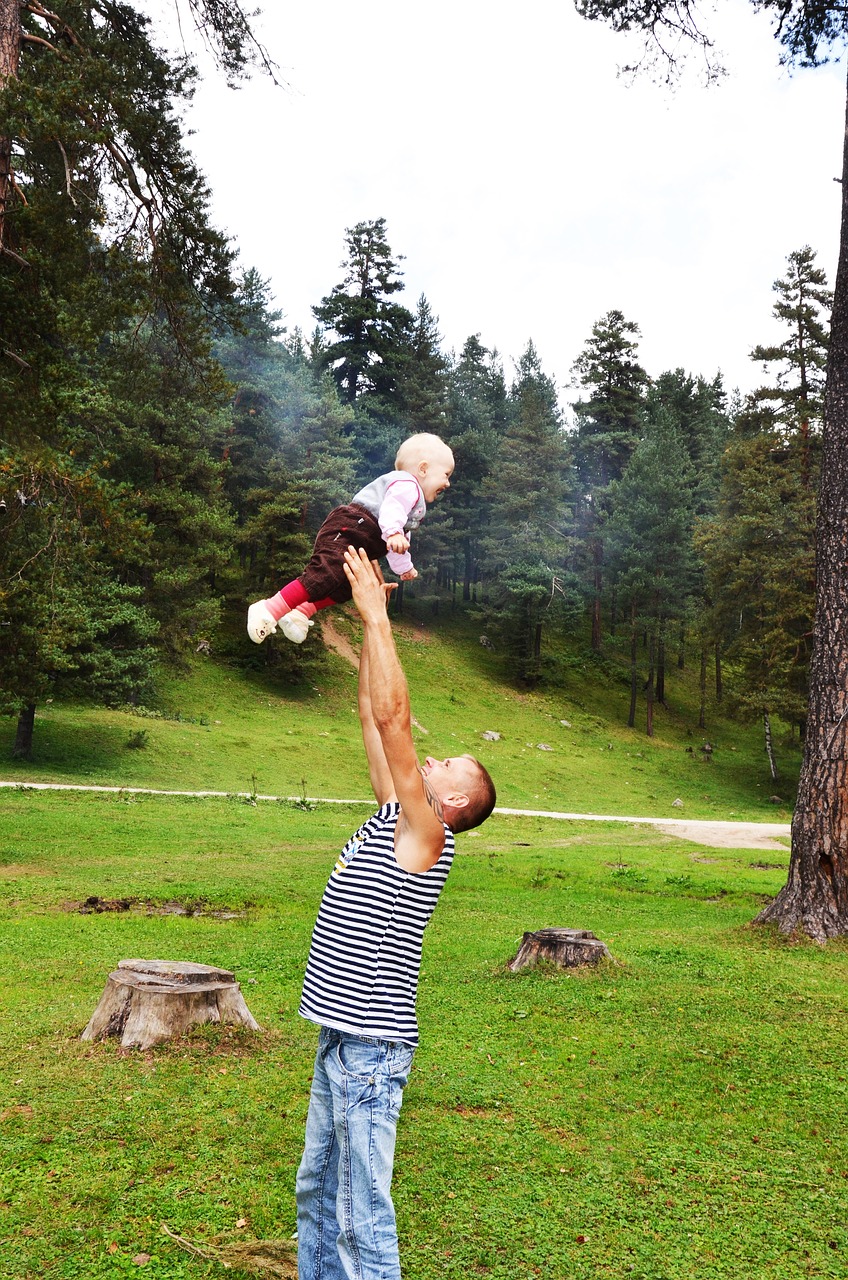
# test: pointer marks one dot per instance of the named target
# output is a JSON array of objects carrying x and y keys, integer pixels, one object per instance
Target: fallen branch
[{"x": 188, "y": 1246}]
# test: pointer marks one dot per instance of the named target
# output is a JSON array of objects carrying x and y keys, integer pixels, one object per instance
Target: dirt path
[{"x": 716, "y": 835}]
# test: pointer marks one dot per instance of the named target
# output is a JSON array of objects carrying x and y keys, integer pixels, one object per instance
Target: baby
[{"x": 379, "y": 519}]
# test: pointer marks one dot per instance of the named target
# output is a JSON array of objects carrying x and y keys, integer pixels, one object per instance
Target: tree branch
[
  {"x": 31, "y": 39},
  {"x": 19, "y": 360},
  {"x": 67, "y": 173}
]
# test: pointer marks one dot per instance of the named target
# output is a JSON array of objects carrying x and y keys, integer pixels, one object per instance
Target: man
[{"x": 362, "y": 973}]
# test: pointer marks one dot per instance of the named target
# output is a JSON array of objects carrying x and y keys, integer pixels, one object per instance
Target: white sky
[{"x": 528, "y": 187}]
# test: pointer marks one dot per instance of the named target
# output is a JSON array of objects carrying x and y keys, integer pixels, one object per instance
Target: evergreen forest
[{"x": 169, "y": 447}]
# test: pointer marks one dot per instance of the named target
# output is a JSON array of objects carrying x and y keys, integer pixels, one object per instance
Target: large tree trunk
[
  {"x": 814, "y": 899},
  {"x": 10, "y": 52},
  {"x": 22, "y": 750}
]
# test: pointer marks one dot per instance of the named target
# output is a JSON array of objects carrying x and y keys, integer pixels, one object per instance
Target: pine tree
[
  {"x": 759, "y": 555},
  {"x": 423, "y": 386},
  {"x": 105, "y": 243},
  {"x": 648, "y": 545},
  {"x": 610, "y": 422},
  {"x": 370, "y": 337},
  {"x": 525, "y": 546},
  {"x": 815, "y": 897},
  {"x": 796, "y": 399},
  {"x": 478, "y": 412},
  {"x": 70, "y": 626}
]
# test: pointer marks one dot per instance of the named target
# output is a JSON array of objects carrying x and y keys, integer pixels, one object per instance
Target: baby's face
[{"x": 434, "y": 473}]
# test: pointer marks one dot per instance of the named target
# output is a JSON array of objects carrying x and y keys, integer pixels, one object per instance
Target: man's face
[{"x": 452, "y": 776}]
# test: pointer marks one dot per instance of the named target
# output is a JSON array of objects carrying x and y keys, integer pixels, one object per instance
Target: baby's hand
[
  {"x": 409, "y": 575},
  {"x": 397, "y": 542}
]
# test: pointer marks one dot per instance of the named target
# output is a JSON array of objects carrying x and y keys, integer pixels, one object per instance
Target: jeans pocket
[
  {"x": 399, "y": 1067},
  {"x": 358, "y": 1058}
]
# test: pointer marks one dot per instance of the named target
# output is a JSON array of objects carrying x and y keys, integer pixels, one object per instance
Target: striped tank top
[{"x": 362, "y": 972}]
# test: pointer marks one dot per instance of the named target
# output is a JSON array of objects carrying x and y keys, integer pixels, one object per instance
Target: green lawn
[
  {"x": 566, "y": 748},
  {"x": 678, "y": 1115}
]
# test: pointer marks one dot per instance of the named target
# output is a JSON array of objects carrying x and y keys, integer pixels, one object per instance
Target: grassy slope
[
  {"x": 677, "y": 1115},
  {"x": 262, "y": 732}
]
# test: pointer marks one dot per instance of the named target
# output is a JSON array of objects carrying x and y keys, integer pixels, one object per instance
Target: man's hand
[
  {"x": 370, "y": 592},
  {"x": 397, "y": 542}
]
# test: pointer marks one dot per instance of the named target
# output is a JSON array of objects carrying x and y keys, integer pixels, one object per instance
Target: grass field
[
  {"x": 565, "y": 747},
  {"x": 676, "y": 1115}
]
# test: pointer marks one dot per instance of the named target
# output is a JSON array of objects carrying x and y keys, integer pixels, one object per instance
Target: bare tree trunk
[
  {"x": 719, "y": 688},
  {"x": 769, "y": 746},
  {"x": 661, "y": 666},
  {"x": 702, "y": 684},
  {"x": 22, "y": 750},
  {"x": 596, "y": 603},
  {"x": 649, "y": 718},
  {"x": 634, "y": 681},
  {"x": 814, "y": 899},
  {"x": 10, "y": 52}
]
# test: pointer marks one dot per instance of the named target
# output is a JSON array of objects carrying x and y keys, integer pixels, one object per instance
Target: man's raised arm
[
  {"x": 378, "y": 766},
  {"x": 420, "y": 834}
]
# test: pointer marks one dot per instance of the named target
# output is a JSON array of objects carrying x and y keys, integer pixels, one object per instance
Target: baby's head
[{"x": 430, "y": 460}]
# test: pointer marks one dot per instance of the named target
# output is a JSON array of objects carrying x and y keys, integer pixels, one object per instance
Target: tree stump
[
  {"x": 566, "y": 948},
  {"x": 148, "y": 1001}
]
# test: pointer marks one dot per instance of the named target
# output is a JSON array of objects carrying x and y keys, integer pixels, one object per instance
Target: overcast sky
[{"x": 528, "y": 187}]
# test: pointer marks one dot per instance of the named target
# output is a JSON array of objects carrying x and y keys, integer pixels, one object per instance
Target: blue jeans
[{"x": 345, "y": 1217}]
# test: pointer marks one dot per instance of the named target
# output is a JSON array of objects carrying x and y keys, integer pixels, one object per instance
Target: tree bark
[
  {"x": 769, "y": 746},
  {"x": 649, "y": 690},
  {"x": 814, "y": 899},
  {"x": 566, "y": 948},
  {"x": 702, "y": 688},
  {"x": 148, "y": 1001},
  {"x": 634, "y": 679},
  {"x": 22, "y": 750},
  {"x": 661, "y": 669},
  {"x": 10, "y": 53}
]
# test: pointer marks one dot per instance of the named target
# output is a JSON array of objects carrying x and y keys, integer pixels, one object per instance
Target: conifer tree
[
  {"x": 478, "y": 412},
  {"x": 798, "y": 364},
  {"x": 610, "y": 422},
  {"x": 105, "y": 243},
  {"x": 422, "y": 385},
  {"x": 369, "y": 339},
  {"x": 815, "y": 896},
  {"x": 525, "y": 544},
  {"x": 759, "y": 555},
  {"x": 648, "y": 543}
]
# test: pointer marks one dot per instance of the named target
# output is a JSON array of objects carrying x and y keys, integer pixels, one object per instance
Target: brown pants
[{"x": 350, "y": 526}]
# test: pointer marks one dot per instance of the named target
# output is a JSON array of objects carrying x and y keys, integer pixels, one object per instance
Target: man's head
[
  {"x": 430, "y": 460},
  {"x": 463, "y": 787}
]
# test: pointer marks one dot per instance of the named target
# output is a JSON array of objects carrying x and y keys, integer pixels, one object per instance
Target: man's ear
[{"x": 458, "y": 800}]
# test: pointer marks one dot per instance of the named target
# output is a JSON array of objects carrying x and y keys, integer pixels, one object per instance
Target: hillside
[{"x": 567, "y": 747}]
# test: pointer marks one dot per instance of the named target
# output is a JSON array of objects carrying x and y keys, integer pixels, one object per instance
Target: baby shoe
[
  {"x": 295, "y": 626},
  {"x": 260, "y": 622}
]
